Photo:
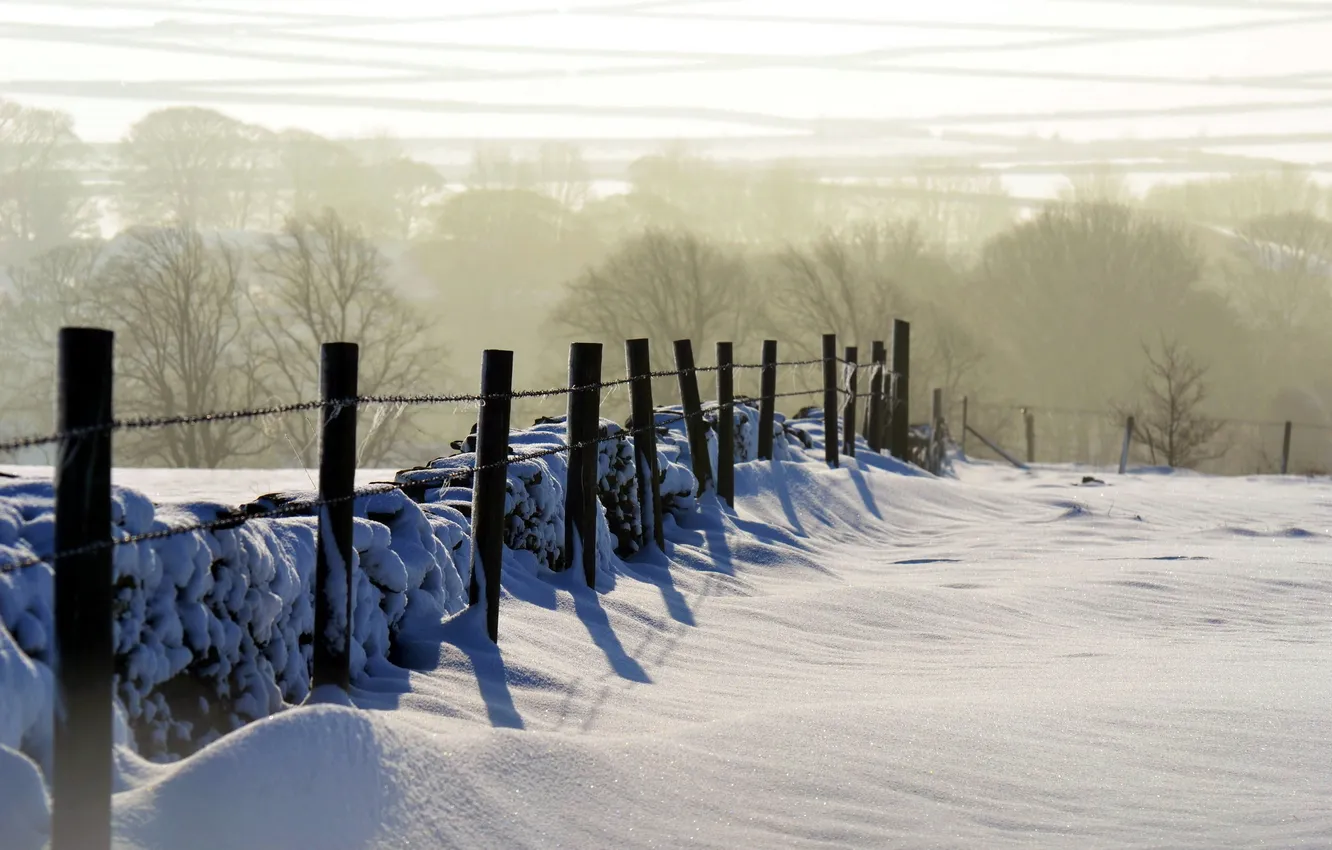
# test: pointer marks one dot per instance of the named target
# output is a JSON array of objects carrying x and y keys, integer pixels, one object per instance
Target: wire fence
[
  {"x": 84, "y": 539},
  {"x": 15, "y": 444},
  {"x": 303, "y": 507},
  {"x": 1095, "y": 437}
]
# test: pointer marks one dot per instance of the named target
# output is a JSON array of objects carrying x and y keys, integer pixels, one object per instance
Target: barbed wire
[
  {"x": 154, "y": 422},
  {"x": 301, "y": 507}
]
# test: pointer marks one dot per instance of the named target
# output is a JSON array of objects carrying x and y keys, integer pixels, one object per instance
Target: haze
[{"x": 508, "y": 168}]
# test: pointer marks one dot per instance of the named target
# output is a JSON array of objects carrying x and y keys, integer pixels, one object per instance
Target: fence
[
  {"x": 82, "y": 556},
  {"x": 1096, "y": 438}
]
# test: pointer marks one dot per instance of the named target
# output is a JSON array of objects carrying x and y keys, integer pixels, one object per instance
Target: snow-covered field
[{"x": 850, "y": 658}]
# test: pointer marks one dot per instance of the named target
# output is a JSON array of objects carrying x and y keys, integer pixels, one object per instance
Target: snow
[
  {"x": 216, "y": 621},
  {"x": 852, "y": 657}
]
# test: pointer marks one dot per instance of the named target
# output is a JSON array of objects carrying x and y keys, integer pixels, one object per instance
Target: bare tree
[
  {"x": 847, "y": 282},
  {"x": 854, "y": 282},
  {"x": 322, "y": 281},
  {"x": 193, "y": 167},
  {"x": 50, "y": 291},
  {"x": 1097, "y": 185},
  {"x": 664, "y": 285},
  {"x": 958, "y": 206},
  {"x": 562, "y": 174},
  {"x": 495, "y": 167},
  {"x": 177, "y": 299},
  {"x": 1236, "y": 198},
  {"x": 951, "y": 355},
  {"x": 1170, "y": 423}
]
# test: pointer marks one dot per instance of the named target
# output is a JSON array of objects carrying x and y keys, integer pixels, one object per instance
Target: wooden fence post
[
  {"x": 899, "y": 422},
  {"x": 963, "y": 447},
  {"x": 337, "y": 482},
  {"x": 582, "y": 427},
  {"x": 489, "y": 484},
  {"x": 1128, "y": 441},
  {"x": 81, "y": 778},
  {"x": 767, "y": 401},
  {"x": 874, "y": 415},
  {"x": 830, "y": 409},
  {"x": 1285, "y": 448},
  {"x": 1030, "y": 420},
  {"x": 638, "y": 358},
  {"x": 849, "y": 411},
  {"x": 693, "y": 411},
  {"x": 725, "y": 424},
  {"x": 936, "y": 431}
]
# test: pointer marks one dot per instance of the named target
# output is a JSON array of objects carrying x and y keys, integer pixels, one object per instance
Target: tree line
[{"x": 231, "y": 250}]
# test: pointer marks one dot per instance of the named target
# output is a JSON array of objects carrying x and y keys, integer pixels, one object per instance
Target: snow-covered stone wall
[{"x": 214, "y": 629}]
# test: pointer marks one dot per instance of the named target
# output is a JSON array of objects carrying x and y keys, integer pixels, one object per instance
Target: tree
[
  {"x": 1170, "y": 423},
  {"x": 194, "y": 167},
  {"x": 318, "y": 173},
  {"x": 42, "y": 200},
  {"x": 664, "y": 285},
  {"x": 495, "y": 167},
  {"x": 50, "y": 291},
  {"x": 176, "y": 299},
  {"x": 1281, "y": 272},
  {"x": 384, "y": 192},
  {"x": 562, "y": 174},
  {"x": 676, "y": 189},
  {"x": 855, "y": 281},
  {"x": 788, "y": 203},
  {"x": 956, "y": 205},
  {"x": 410, "y": 186},
  {"x": 1066, "y": 292},
  {"x": 849, "y": 282},
  {"x": 322, "y": 281},
  {"x": 1236, "y": 198},
  {"x": 1098, "y": 185}
]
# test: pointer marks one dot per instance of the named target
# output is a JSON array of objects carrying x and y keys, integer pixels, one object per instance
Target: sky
[{"x": 973, "y": 78}]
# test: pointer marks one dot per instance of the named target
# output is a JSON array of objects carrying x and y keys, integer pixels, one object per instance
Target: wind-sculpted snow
[
  {"x": 213, "y": 629},
  {"x": 866, "y": 656}
]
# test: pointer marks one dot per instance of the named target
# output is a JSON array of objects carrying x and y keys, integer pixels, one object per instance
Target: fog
[{"x": 1086, "y": 209}]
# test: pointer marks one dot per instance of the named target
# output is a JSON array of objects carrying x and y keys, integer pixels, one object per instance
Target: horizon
[{"x": 964, "y": 80}]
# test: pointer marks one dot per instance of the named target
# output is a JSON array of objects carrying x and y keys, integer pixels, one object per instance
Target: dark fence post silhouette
[
  {"x": 963, "y": 446},
  {"x": 936, "y": 431},
  {"x": 899, "y": 421},
  {"x": 1128, "y": 442},
  {"x": 1285, "y": 448},
  {"x": 1029, "y": 419},
  {"x": 337, "y": 483},
  {"x": 767, "y": 402},
  {"x": 582, "y": 427},
  {"x": 874, "y": 415},
  {"x": 725, "y": 424},
  {"x": 695, "y": 427},
  {"x": 830, "y": 398},
  {"x": 849, "y": 411},
  {"x": 490, "y": 480},
  {"x": 638, "y": 358},
  {"x": 81, "y": 759}
]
